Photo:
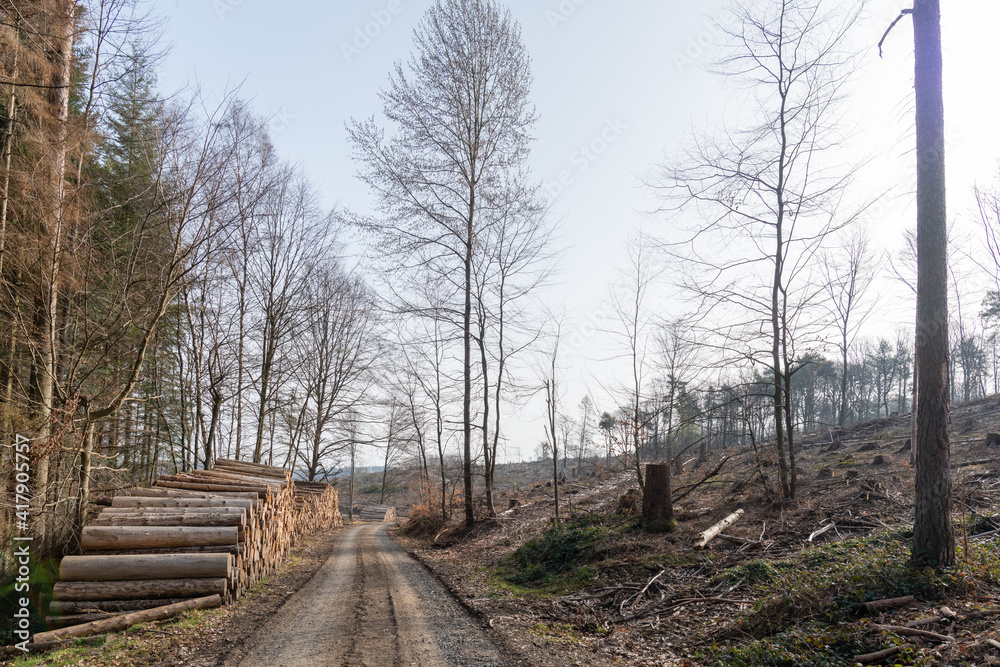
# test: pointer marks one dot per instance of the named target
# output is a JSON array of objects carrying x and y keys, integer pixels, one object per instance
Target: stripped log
[
  {"x": 125, "y": 620},
  {"x": 157, "y": 537},
  {"x": 81, "y": 591},
  {"x": 138, "y": 501},
  {"x": 155, "y": 566},
  {"x": 112, "y": 606},
  {"x": 159, "y": 492},
  {"x": 172, "y": 519},
  {"x": 713, "y": 532},
  {"x": 197, "y": 486},
  {"x": 60, "y": 621}
]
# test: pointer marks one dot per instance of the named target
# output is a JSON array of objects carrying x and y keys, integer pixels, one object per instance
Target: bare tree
[
  {"x": 767, "y": 197},
  {"x": 462, "y": 117},
  {"x": 552, "y": 412},
  {"x": 288, "y": 247},
  {"x": 628, "y": 301},
  {"x": 847, "y": 279},
  {"x": 338, "y": 349}
]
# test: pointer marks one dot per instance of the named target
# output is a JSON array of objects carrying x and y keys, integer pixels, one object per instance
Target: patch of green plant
[
  {"x": 830, "y": 582},
  {"x": 812, "y": 645},
  {"x": 557, "y": 557},
  {"x": 755, "y": 572}
]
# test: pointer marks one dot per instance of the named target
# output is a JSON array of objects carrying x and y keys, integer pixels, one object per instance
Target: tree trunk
[
  {"x": 933, "y": 535},
  {"x": 470, "y": 517},
  {"x": 85, "y": 457},
  {"x": 62, "y": 43}
]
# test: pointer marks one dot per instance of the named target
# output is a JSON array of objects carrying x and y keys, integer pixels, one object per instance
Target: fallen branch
[
  {"x": 891, "y": 603},
  {"x": 125, "y": 620},
  {"x": 913, "y": 632},
  {"x": 994, "y": 643},
  {"x": 820, "y": 531},
  {"x": 704, "y": 479},
  {"x": 713, "y": 532},
  {"x": 646, "y": 587},
  {"x": 877, "y": 656},
  {"x": 977, "y": 462}
]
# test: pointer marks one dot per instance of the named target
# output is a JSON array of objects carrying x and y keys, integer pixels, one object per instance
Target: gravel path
[{"x": 371, "y": 604}]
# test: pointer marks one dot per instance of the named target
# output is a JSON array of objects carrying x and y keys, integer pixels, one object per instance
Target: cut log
[
  {"x": 126, "y": 620},
  {"x": 158, "y": 492},
  {"x": 139, "y": 501},
  {"x": 75, "y": 619},
  {"x": 156, "y": 537},
  {"x": 64, "y": 607},
  {"x": 211, "y": 487},
  {"x": 234, "y": 549},
  {"x": 713, "y": 532},
  {"x": 155, "y": 566},
  {"x": 92, "y": 591},
  {"x": 34, "y": 648},
  {"x": 173, "y": 519}
]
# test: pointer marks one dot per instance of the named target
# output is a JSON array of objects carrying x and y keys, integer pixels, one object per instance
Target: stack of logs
[
  {"x": 316, "y": 507},
  {"x": 192, "y": 535},
  {"x": 378, "y": 513}
]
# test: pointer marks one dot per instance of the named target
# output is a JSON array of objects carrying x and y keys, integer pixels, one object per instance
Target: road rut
[{"x": 371, "y": 604}]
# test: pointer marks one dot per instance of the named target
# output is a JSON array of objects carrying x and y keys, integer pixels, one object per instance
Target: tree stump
[{"x": 657, "y": 507}]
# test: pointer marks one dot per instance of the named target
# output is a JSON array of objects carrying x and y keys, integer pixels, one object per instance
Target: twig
[{"x": 646, "y": 587}]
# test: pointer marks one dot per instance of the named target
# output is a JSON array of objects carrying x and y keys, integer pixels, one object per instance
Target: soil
[{"x": 370, "y": 604}]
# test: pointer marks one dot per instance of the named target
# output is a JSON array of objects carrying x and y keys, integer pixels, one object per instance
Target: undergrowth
[
  {"x": 559, "y": 558},
  {"x": 811, "y": 645},
  {"x": 831, "y": 582}
]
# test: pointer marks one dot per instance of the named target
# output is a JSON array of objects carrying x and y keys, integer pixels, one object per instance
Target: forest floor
[{"x": 785, "y": 585}]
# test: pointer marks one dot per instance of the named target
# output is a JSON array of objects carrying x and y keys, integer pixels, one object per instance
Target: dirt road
[{"x": 370, "y": 604}]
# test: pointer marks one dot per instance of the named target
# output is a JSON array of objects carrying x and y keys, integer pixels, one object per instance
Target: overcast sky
[{"x": 626, "y": 78}]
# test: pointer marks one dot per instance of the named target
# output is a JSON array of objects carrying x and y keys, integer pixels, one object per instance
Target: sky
[{"x": 619, "y": 88}]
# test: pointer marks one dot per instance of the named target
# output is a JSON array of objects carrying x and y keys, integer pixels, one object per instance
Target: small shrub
[{"x": 423, "y": 522}]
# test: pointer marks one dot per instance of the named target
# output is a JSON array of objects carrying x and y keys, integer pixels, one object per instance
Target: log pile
[
  {"x": 378, "y": 513},
  {"x": 192, "y": 535},
  {"x": 316, "y": 508}
]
